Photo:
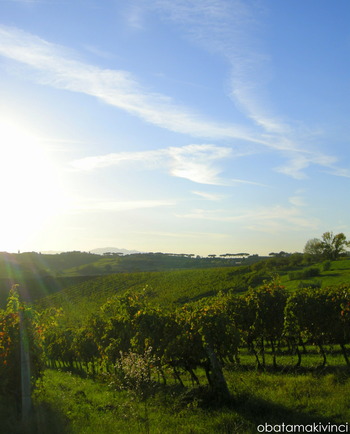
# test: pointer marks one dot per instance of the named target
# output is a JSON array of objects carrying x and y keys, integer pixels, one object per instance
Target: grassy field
[
  {"x": 68, "y": 403},
  {"x": 173, "y": 288},
  {"x": 166, "y": 288},
  {"x": 338, "y": 273},
  {"x": 65, "y": 402}
]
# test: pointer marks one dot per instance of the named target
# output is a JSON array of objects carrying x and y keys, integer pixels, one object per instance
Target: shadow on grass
[
  {"x": 185, "y": 299},
  {"x": 254, "y": 411},
  {"x": 43, "y": 419},
  {"x": 250, "y": 410},
  {"x": 332, "y": 274},
  {"x": 258, "y": 411},
  {"x": 340, "y": 371}
]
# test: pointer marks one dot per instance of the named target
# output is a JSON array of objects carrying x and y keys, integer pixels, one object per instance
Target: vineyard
[
  {"x": 138, "y": 346},
  {"x": 266, "y": 319}
]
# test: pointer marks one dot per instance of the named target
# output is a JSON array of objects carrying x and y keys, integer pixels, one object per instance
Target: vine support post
[
  {"x": 25, "y": 369},
  {"x": 219, "y": 385}
]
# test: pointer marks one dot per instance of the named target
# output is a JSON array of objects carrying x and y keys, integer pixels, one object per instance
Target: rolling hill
[{"x": 171, "y": 288}]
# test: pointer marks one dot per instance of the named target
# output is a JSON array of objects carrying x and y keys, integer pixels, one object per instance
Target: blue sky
[{"x": 184, "y": 126}]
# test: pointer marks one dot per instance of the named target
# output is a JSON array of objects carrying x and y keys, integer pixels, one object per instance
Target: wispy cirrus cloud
[
  {"x": 219, "y": 25},
  {"x": 199, "y": 163},
  {"x": 56, "y": 66},
  {"x": 264, "y": 219},
  {"x": 339, "y": 172},
  {"x": 297, "y": 163},
  {"x": 208, "y": 196},
  {"x": 186, "y": 235},
  {"x": 98, "y": 205},
  {"x": 297, "y": 200},
  {"x": 114, "y": 159},
  {"x": 233, "y": 29}
]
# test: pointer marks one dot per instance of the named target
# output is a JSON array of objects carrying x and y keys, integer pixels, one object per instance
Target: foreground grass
[
  {"x": 66, "y": 403},
  {"x": 91, "y": 407}
]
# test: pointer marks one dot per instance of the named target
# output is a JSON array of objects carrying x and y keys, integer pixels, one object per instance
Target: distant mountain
[{"x": 103, "y": 250}]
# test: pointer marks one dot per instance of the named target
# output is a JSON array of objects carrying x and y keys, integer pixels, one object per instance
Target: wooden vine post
[{"x": 25, "y": 368}]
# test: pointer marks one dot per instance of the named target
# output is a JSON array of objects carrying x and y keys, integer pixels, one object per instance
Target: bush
[
  {"x": 313, "y": 285},
  {"x": 326, "y": 265},
  {"x": 133, "y": 372},
  {"x": 304, "y": 274}
]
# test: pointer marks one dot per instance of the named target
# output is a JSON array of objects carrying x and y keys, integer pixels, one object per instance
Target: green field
[
  {"x": 68, "y": 403},
  {"x": 183, "y": 286},
  {"x": 88, "y": 395}
]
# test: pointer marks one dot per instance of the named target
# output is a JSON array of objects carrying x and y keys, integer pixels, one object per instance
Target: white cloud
[
  {"x": 186, "y": 235},
  {"x": 208, "y": 196},
  {"x": 197, "y": 163},
  {"x": 345, "y": 173},
  {"x": 134, "y": 17},
  {"x": 98, "y": 52},
  {"x": 219, "y": 25},
  {"x": 153, "y": 158},
  {"x": 295, "y": 167},
  {"x": 57, "y": 67},
  {"x": 108, "y": 205},
  {"x": 297, "y": 163},
  {"x": 297, "y": 201},
  {"x": 233, "y": 28},
  {"x": 271, "y": 219}
]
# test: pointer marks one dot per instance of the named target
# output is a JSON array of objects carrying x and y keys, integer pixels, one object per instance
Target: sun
[{"x": 29, "y": 186}]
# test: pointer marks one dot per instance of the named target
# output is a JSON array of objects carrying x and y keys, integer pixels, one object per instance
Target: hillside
[
  {"x": 90, "y": 279},
  {"x": 171, "y": 288},
  {"x": 165, "y": 288},
  {"x": 31, "y": 264},
  {"x": 40, "y": 275},
  {"x": 138, "y": 262},
  {"x": 37, "y": 287}
]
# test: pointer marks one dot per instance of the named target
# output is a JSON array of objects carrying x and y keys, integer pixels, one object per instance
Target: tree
[
  {"x": 330, "y": 246},
  {"x": 333, "y": 245},
  {"x": 313, "y": 247}
]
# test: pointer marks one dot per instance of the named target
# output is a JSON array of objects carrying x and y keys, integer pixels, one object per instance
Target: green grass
[
  {"x": 166, "y": 288},
  {"x": 171, "y": 288},
  {"x": 312, "y": 360},
  {"x": 153, "y": 262},
  {"x": 67, "y": 403},
  {"x": 85, "y": 406},
  {"x": 338, "y": 273}
]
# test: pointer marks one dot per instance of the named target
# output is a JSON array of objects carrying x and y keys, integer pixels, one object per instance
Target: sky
[{"x": 178, "y": 126}]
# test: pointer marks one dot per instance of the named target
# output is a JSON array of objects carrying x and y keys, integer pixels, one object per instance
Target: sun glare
[{"x": 29, "y": 187}]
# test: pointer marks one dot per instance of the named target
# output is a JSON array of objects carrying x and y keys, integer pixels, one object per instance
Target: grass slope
[
  {"x": 34, "y": 288},
  {"x": 169, "y": 288},
  {"x": 164, "y": 288},
  {"x": 72, "y": 404},
  {"x": 155, "y": 262},
  {"x": 339, "y": 272}
]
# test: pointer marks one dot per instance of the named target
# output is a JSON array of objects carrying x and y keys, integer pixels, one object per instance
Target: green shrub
[
  {"x": 313, "y": 285},
  {"x": 326, "y": 265},
  {"x": 304, "y": 274}
]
